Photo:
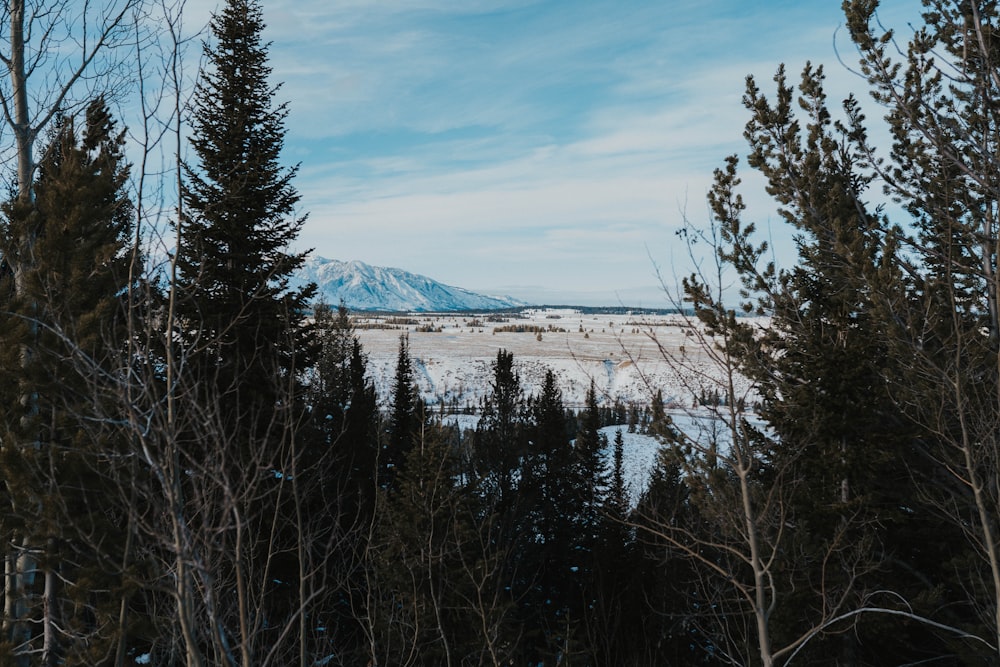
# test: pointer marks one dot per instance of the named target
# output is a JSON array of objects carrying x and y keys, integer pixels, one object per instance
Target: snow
[
  {"x": 627, "y": 357},
  {"x": 638, "y": 458},
  {"x": 364, "y": 287}
]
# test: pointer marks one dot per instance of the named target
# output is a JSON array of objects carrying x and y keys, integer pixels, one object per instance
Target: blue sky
[{"x": 543, "y": 149}]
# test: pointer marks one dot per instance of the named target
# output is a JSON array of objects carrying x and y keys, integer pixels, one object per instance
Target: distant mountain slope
[{"x": 364, "y": 287}]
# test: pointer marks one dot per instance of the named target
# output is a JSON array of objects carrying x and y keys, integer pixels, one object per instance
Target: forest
[{"x": 197, "y": 470}]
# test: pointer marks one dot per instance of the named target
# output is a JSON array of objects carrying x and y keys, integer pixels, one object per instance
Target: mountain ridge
[{"x": 361, "y": 286}]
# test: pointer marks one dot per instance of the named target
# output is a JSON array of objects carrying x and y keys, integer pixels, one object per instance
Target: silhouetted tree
[{"x": 70, "y": 305}]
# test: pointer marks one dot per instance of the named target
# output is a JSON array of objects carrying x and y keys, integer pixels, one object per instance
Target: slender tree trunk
[
  {"x": 24, "y": 135},
  {"x": 300, "y": 546},
  {"x": 21, "y": 578},
  {"x": 48, "y": 617},
  {"x": 239, "y": 559},
  {"x": 123, "y": 611},
  {"x": 9, "y": 576},
  {"x": 761, "y": 610},
  {"x": 184, "y": 586}
]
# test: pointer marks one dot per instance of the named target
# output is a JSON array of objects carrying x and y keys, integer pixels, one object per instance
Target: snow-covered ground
[
  {"x": 628, "y": 357},
  {"x": 638, "y": 458}
]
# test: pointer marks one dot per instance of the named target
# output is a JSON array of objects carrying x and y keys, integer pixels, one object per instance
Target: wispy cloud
[{"x": 526, "y": 142}]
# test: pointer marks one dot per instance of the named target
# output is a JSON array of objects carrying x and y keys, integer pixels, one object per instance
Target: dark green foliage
[
  {"x": 657, "y": 415},
  {"x": 500, "y": 439},
  {"x": 589, "y": 469},
  {"x": 339, "y": 468},
  {"x": 872, "y": 369},
  {"x": 439, "y": 588},
  {"x": 59, "y": 335},
  {"x": 612, "y": 612},
  {"x": 308, "y": 528},
  {"x": 616, "y": 504},
  {"x": 493, "y": 470},
  {"x": 405, "y": 419},
  {"x": 241, "y": 347},
  {"x": 344, "y": 411},
  {"x": 239, "y": 222},
  {"x": 942, "y": 103},
  {"x": 665, "y": 593},
  {"x": 559, "y": 557},
  {"x": 820, "y": 366}
]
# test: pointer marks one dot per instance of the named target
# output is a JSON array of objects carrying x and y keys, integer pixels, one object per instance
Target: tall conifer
[
  {"x": 239, "y": 223},
  {"x": 405, "y": 418},
  {"x": 63, "y": 330},
  {"x": 241, "y": 347},
  {"x": 553, "y": 564},
  {"x": 500, "y": 438}
]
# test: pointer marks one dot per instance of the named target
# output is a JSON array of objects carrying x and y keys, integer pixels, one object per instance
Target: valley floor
[{"x": 629, "y": 358}]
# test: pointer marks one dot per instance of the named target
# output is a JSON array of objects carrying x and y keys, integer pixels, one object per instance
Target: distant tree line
[
  {"x": 528, "y": 328},
  {"x": 197, "y": 471}
]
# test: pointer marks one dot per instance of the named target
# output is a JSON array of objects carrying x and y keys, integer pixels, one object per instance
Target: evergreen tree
[
  {"x": 553, "y": 565},
  {"x": 499, "y": 443},
  {"x": 344, "y": 407},
  {"x": 657, "y": 415},
  {"x": 941, "y": 110},
  {"x": 664, "y": 620},
  {"x": 406, "y": 416},
  {"x": 614, "y": 609},
  {"x": 617, "y": 500},
  {"x": 238, "y": 226},
  {"x": 61, "y": 335},
  {"x": 340, "y": 466},
  {"x": 839, "y": 434},
  {"x": 590, "y": 470},
  {"x": 838, "y": 367},
  {"x": 240, "y": 350},
  {"x": 437, "y": 588}
]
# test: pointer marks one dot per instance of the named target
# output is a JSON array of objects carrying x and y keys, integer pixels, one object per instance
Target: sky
[{"x": 546, "y": 150}]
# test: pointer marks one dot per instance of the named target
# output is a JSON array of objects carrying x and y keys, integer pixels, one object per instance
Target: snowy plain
[{"x": 627, "y": 357}]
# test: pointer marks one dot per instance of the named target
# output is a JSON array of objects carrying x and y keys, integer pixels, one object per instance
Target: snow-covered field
[{"x": 628, "y": 357}]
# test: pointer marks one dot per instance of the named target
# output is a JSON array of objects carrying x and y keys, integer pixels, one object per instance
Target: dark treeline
[{"x": 197, "y": 471}]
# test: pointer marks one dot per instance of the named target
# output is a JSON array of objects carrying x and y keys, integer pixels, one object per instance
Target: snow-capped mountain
[{"x": 364, "y": 287}]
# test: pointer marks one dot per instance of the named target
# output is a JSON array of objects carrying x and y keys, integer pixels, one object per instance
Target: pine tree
[
  {"x": 614, "y": 609},
  {"x": 657, "y": 414},
  {"x": 344, "y": 407},
  {"x": 664, "y": 586},
  {"x": 552, "y": 566},
  {"x": 239, "y": 224},
  {"x": 62, "y": 334},
  {"x": 436, "y": 589},
  {"x": 405, "y": 417},
  {"x": 842, "y": 359},
  {"x": 819, "y": 365},
  {"x": 339, "y": 467},
  {"x": 499, "y": 443},
  {"x": 617, "y": 501},
  {"x": 941, "y": 110},
  {"x": 590, "y": 470},
  {"x": 240, "y": 350}
]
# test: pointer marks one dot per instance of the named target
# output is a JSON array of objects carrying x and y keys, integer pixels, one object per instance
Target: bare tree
[
  {"x": 744, "y": 531},
  {"x": 758, "y": 564},
  {"x": 45, "y": 78}
]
